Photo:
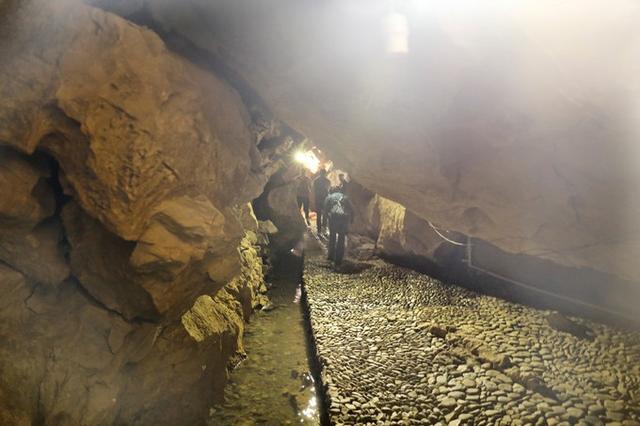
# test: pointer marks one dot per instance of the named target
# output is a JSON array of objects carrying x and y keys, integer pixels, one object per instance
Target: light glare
[
  {"x": 308, "y": 159},
  {"x": 397, "y": 29}
]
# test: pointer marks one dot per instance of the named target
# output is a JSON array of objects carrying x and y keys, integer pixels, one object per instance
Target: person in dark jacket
[
  {"x": 340, "y": 212},
  {"x": 303, "y": 192},
  {"x": 344, "y": 184},
  {"x": 321, "y": 189}
]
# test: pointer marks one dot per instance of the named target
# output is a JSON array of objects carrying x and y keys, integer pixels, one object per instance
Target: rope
[
  {"x": 528, "y": 286},
  {"x": 443, "y": 237},
  {"x": 549, "y": 293}
]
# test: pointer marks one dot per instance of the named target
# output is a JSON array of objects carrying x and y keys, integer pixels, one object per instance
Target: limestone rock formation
[
  {"x": 285, "y": 214},
  {"x": 401, "y": 236},
  {"x": 27, "y": 199},
  {"x": 515, "y": 127},
  {"x": 278, "y": 204},
  {"x": 85, "y": 365},
  {"x": 248, "y": 286},
  {"x": 402, "y": 233},
  {"x": 128, "y": 249},
  {"x": 100, "y": 261},
  {"x": 130, "y": 168},
  {"x": 397, "y": 232},
  {"x": 149, "y": 146},
  {"x": 367, "y": 215},
  {"x": 180, "y": 232},
  {"x": 40, "y": 254}
]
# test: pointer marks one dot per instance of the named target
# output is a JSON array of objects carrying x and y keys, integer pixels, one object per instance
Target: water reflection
[
  {"x": 273, "y": 386},
  {"x": 298, "y": 295},
  {"x": 311, "y": 411}
]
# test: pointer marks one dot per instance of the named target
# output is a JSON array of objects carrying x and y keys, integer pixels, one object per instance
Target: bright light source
[
  {"x": 397, "y": 29},
  {"x": 308, "y": 159}
]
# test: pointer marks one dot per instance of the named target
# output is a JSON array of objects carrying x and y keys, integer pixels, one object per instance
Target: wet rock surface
[{"x": 398, "y": 347}]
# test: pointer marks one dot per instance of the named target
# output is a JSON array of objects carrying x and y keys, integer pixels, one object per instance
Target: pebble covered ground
[{"x": 398, "y": 347}]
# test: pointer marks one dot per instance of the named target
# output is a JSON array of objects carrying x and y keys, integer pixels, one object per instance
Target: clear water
[{"x": 273, "y": 386}]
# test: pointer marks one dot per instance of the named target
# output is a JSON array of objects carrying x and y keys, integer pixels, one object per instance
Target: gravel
[{"x": 398, "y": 347}]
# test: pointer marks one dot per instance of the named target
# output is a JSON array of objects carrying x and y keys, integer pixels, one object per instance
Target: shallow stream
[{"x": 274, "y": 386}]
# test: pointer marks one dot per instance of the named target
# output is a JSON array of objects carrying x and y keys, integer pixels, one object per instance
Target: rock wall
[
  {"x": 129, "y": 252},
  {"x": 512, "y": 123},
  {"x": 397, "y": 232},
  {"x": 29, "y": 232},
  {"x": 278, "y": 203},
  {"x": 68, "y": 360},
  {"x": 390, "y": 230}
]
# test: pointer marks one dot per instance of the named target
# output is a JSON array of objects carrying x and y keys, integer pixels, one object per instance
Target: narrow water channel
[{"x": 274, "y": 385}]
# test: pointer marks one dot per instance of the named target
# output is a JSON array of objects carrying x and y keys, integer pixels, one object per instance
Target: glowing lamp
[
  {"x": 308, "y": 159},
  {"x": 397, "y": 29}
]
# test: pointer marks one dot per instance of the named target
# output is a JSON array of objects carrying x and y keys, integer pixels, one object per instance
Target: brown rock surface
[
  {"x": 397, "y": 232},
  {"x": 29, "y": 237},
  {"x": 85, "y": 365},
  {"x": 515, "y": 127},
  {"x": 181, "y": 231},
  {"x": 366, "y": 221},
  {"x": 159, "y": 159},
  {"x": 158, "y": 154},
  {"x": 38, "y": 254},
  {"x": 282, "y": 209},
  {"x": 130, "y": 123},
  {"x": 402, "y": 233},
  {"x": 153, "y": 148},
  {"x": 100, "y": 261},
  {"x": 26, "y": 198}
]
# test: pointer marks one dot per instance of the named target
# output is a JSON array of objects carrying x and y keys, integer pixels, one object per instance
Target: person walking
[
  {"x": 303, "y": 195},
  {"x": 344, "y": 184},
  {"x": 341, "y": 213},
  {"x": 320, "y": 191}
]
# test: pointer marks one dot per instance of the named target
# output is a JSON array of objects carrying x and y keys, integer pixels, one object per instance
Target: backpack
[{"x": 338, "y": 209}]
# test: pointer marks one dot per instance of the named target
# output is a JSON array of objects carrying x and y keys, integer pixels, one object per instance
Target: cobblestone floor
[{"x": 398, "y": 347}]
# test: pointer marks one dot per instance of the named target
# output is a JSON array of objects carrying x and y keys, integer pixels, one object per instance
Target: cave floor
[
  {"x": 399, "y": 347},
  {"x": 273, "y": 386}
]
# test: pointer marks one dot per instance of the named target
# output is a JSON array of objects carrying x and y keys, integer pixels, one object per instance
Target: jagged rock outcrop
[
  {"x": 149, "y": 146},
  {"x": 501, "y": 127},
  {"x": 155, "y": 161},
  {"x": 367, "y": 215},
  {"x": 67, "y": 359},
  {"x": 397, "y": 232},
  {"x": 27, "y": 199},
  {"x": 404, "y": 234},
  {"x": 278, "y": 204},
  {"x": 40, "y": 254},
  {"x": 82, "y": 364},
  {"x": 285, "y": 214}
]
